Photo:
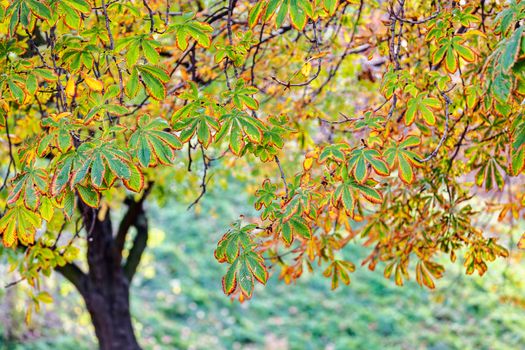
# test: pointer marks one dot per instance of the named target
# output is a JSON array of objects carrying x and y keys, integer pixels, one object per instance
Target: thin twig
[
  {"x": 203, "y": 181},
  {"x": 445, "y": 132},
  {"x": 283, "y": 177},
  {"x": 423, "y": 20},
  {"x": 108, "y": 29},
  {"x": 150, "y": 11}
]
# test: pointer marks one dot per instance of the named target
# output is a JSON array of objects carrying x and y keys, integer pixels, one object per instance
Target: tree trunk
[
  {"x": 105, "y": 287},
  {"x": 108, "y": 306},
  {"x": 106, "y": 291}
]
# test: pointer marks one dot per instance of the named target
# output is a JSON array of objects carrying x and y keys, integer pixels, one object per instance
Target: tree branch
[
  {"x": 130, "y": 219},
  {"x": 139, "y": 245},
  {"x": 74, "y": 275}
]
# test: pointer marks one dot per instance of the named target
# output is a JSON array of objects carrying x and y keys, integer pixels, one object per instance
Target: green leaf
[
  {"x": 98, "y": 170},
  {"x": 154, "y": 86},
  {"x": 398, "y": 153},
  {"x": 16, "y": 91},
  {"x": 330, "y": 6},
  {"x": 451, "y": 63},
  {"x": 501, "y": 86},
  {"x": 135, "y": 182},
  {"x": 150, "y": 52},
  {"x": 405, "y": 170},
  {"x": 199, "y": 31},
  {"x": 153, "y": 79},
  {"x": 334, "y": 152},
  {"x": 511, "y": 51},
  {"x": 229, "y": 281},
  {"x": 40, "y": 10},
  {"x": 297, "y": 14},
  {"x": 257, "y": 267},
  {"x": 151, "y": 144},
  {"x": 89, "y": 195},
  {"x": 69, "y": 204},
  {"x": 239, "y": 125},
  {"x": 245, "y": 279},
  {"x": 300, "y": 227},
  {"x": 118, "y": 166},
  {"x": 80, "y": 5},
  {"x": 421, "y": 106},
  {"x": 133, "y": 84},
  {"x": 255, "y": 14},
  {"x": 359, "y": 160},
  {"x": 286, "y": 232},
  {"x": 62, "y": 175}
]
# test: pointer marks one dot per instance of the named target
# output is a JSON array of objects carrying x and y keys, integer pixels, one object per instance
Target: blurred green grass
[{"x": 177, "y": 301}]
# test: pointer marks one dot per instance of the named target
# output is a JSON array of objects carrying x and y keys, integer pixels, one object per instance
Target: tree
[{"x": 105, "y": 104}]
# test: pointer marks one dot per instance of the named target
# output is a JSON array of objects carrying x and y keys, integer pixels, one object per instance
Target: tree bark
[
  {"x": 108, "y": 306},
  {"x": 105, "y": 287}
]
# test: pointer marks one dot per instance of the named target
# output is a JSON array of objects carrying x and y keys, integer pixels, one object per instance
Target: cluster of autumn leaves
[
  {"x": 99, "y": 95},
  {"x": 339, "y": 182}
]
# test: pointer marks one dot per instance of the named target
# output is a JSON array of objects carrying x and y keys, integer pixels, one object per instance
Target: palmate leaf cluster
[{"x": 100, "y": 101}]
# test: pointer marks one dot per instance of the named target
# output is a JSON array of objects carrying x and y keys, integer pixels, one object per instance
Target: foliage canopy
[{"x": 107, "y": 100}]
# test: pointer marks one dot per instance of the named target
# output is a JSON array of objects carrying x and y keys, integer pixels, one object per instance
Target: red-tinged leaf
[
  {"x": 360, "y": 170},
  {"x": 517, "y": 160},
  {"x": 98, "y": 171},
  {"x": 451, "y": 64},
  {"x": 410, "y": 141},
  {"x": 68, "y": 203},
  {"x": 335, "y": 278},
  {"x": 245, "y": 279},
  {"x": 370, "y": 194},
  {"x": 16, "y": 191},
  {"x": 286, "y": 233},
  {"x": 89, "y": 195},
  {"x": 257, "y": 267},
  {"x": 298, "y": 16},
  {"x": 61, "y": 177},
  {"x": 398, "y": 276},
  {"x": 236, "y": 141},
  {"x": 8, "y": 228},
  {"x": 300, "y": 226},
  {"x": 135, "y": 182},
  {"x": 255, "y": 14},
  {"x": 406, "y": 173},
  {"x": 31, "y": 196},
  {"x": 19, "y": 223},
  {"x": 229, "y": 281}
]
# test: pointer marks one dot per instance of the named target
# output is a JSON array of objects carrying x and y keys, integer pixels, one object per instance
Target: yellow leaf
[
  {"x": 70, "y": 87},
  {"x": 28, "y": 316},
  {"x": 474, "y": 32},
  {"x": 319, "y": 55},
  {"x": 45, "y": 297},
  {"x": 307, "y": 164},
  {"x": 521, "y": 243},
  {"x": 307, "y": 68},
  {"x": 60, "y": 115},
  {"x": 4, "y": 105},
  {"x": 93, "y": 84}
]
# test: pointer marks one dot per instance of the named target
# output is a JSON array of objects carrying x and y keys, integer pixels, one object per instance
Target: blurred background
[{"x": 177, "y": 301}]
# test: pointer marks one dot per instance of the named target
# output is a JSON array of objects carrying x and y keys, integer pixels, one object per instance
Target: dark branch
[
  {"x": 135, "y": 208},
  {"x": 139, "y": 245},
  {"x": 74, "y": 275}
]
